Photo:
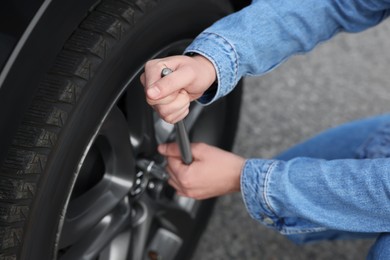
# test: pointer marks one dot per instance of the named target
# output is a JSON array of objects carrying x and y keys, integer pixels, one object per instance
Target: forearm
[{"x": 258, "y": 38}]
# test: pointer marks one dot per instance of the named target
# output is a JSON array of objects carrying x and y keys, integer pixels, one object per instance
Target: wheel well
[{"x": 238, "y": 5}]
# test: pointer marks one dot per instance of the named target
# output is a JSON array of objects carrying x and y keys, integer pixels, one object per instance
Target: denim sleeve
[
  {"x": 258, "y": 38},
  {"x": 306, "y": 195}
]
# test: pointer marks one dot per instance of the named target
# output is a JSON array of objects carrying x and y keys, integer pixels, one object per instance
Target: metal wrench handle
[
  {"x": 184, "y": 142},
  {"x": 181, "y": 133}
]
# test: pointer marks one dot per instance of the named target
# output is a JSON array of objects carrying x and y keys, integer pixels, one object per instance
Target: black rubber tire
[{"x": 88, "y": 77}]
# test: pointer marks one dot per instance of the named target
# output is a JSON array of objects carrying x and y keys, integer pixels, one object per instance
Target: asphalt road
[{"x": 342, "y": 80}]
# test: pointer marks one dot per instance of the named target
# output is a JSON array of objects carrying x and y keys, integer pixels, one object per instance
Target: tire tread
[{"x": 50, "y": 109}]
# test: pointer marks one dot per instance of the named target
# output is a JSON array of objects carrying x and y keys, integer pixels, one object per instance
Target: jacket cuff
[
  {"x": 254, "y": 189},
  {"x": 224, "y": 58}
]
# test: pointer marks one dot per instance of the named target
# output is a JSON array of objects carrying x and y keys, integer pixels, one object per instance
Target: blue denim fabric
[
  {"x": 338, "y": 183},
  {"x": 308, "y": 194},
  {"x": 258, "y": 38},
  {"x": 381, "y": 248}
]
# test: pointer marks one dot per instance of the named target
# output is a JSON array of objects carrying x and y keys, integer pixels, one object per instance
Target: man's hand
[
  {"x": 213, "y": 172},
  {"x": 171, "y": 96}
]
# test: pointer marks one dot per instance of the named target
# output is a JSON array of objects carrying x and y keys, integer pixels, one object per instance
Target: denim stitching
[
  {"x": 247, "y": 205},
  {"x": 290, "y": 231},
  {"x": 243, "y": 190},
  {"x": 232, "y": 57},
  {"x": 266, "y": 187},
  {"x": 229, "y": 47},
  {"x": 226, "y": 45}
]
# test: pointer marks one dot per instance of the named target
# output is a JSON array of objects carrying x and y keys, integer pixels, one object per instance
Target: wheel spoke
[
  {"x": 173, "y": 227},
  {"x": 164, "y": 221},
  {"x": 85, "y": 211},
  {"x": 142, "y": 223},
  {"x": 97, "y": 238}
]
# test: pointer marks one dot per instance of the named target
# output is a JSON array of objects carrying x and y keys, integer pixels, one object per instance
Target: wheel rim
[{"x": 118, "y": 209}]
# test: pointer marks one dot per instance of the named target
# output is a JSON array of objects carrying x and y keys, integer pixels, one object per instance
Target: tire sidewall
[{"x": 100, "y": 92}]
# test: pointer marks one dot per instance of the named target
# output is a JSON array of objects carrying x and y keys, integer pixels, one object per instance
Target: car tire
[{"x": 77, "y": 180}]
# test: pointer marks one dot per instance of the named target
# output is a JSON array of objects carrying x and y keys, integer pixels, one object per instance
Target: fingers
[
  {"x": 169, "y": 150},
  {"x": 167, "y": 95},
  {"x": 178, "y": 171},
  {"x": 158, "y": 88},
  {"x": 214, "y": 172},
  {"x": 175, "y": 111},
  {"x": 171, "y": 95},
  {"x": 175, "y": 167}
]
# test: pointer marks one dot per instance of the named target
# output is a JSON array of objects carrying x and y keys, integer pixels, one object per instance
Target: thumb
[
  {"x": 153, "y": 92},
  {"x": 164, "y": 87}
]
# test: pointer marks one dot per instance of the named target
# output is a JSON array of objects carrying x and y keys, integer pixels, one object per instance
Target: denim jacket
[
  {"x": 300, "y": 195},
  {"x": 258, "y": 38}
]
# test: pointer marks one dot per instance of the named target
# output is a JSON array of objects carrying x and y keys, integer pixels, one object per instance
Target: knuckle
[
  {"x": 161, "y": 62},
  {"x": 149, "y": 64},
  {"x": 162, "y": 112},
  {"x": 186, "y": 112},
  {"x": 186, "y": 183},
  {"x": 168, "y": 118}
]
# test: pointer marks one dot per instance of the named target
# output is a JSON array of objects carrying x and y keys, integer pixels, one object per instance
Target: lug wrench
[{"x": 181, "y": 133}]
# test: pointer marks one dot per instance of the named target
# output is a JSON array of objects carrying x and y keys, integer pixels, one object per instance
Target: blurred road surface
[{"x": 341, "y": 80}]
